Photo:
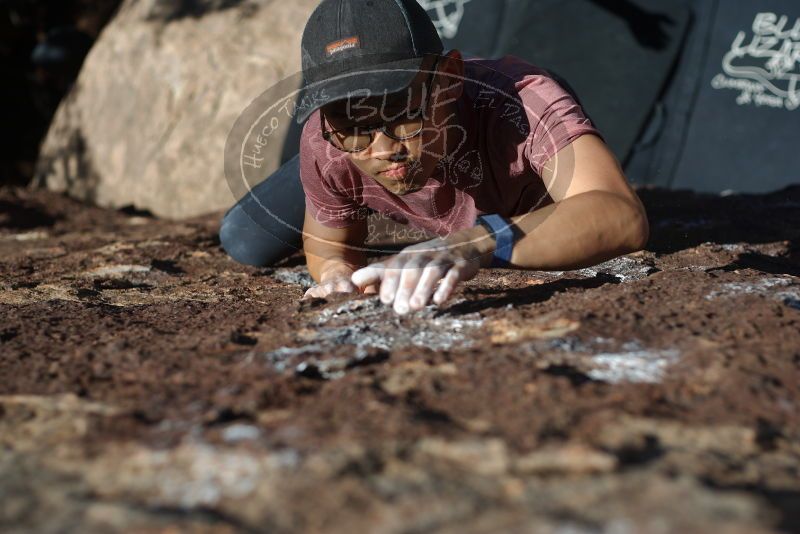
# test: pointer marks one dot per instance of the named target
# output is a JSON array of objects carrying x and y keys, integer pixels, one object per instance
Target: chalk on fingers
[
  {"x": 368, "y": 275},
  {"x": 446, "y": 286}
]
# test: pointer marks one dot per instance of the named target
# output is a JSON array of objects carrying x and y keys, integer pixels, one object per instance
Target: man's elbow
[{"x": 637, "y": 229}]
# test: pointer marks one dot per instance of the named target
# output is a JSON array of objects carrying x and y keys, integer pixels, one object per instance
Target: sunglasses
[{"x": 359, "y": 138}]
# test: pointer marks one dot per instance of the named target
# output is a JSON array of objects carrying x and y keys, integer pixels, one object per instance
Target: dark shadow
[
  {"x": 167, "y": 266},
  {"x": 421, "y": 411},
  {"x": 172, "y": 10},
  {"x": 785, "y": 502},
  {"x": 116, "y": 283},
  {"x": 639, "y": 454},
  {"x": 684, "y": 219},
  {"x": 42, "y": 46},
  {"x": 576, "y": 377},
  {"x": 71, "y": 162},
  {"x": 18, "y": 217},
  {"x": 766, "y": 264},
  {"x": 529, "y": 295},
  {"x": 649, "y": 29},
  {"x": 788, "y": 504},
  {"x": 132, "y": 211}
]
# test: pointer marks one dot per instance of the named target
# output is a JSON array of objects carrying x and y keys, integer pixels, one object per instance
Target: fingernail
[
  {"x": 401, "y": 308},
  {"x": 416, "y": 302}
]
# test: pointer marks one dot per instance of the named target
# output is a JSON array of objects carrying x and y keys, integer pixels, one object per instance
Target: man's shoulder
[
  {"x": 506, "y": 69},
  {"x": 507, "y": 78},
  {"x": 507, "y": 62}
]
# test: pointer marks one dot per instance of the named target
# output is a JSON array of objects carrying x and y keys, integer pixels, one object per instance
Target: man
[{"x": 441, "y": 143}]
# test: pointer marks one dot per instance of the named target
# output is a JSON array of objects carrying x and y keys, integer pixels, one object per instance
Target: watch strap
[{"x": 503, "y": 232}]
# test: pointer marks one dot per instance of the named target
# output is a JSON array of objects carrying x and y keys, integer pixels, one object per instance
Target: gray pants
[{"x": 265, "y": 226}]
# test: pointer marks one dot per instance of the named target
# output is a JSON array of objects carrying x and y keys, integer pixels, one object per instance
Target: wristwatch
[{"x": 505, "y": 233}]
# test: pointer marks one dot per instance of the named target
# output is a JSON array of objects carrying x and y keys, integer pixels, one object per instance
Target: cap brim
[{"x": 390, "y": 77}]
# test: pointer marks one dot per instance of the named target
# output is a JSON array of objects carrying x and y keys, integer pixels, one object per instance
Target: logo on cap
[{"x": 341, "y": 45}]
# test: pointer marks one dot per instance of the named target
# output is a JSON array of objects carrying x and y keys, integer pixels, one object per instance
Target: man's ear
[{"x": 451, "y": 66}]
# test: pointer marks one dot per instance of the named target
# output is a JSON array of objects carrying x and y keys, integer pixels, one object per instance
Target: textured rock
[
  {"x": 147, "y": 120},
  {"x": 148, "y": 383}
]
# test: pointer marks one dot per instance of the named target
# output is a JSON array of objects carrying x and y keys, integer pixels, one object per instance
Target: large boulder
[{"x": 147, "y": 120}]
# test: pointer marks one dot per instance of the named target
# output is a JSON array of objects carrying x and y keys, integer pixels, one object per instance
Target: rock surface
[
  {"x": 148, "y": 383},
  {"x": 159, "y": 92}
]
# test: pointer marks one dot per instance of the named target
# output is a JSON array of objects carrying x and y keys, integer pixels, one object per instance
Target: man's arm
[
  {"x": 595, "y": 217},
  {"x": 333, "y": 254}
]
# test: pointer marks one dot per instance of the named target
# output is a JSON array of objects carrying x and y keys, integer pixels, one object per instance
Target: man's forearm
[
  {"x": 333, "y": 251},
  {"x": 577, "y": 232}
]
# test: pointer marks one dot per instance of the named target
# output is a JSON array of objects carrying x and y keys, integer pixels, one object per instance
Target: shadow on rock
[
  {"x": 172, "y": 10},
  {"x": 530, "y": 295},
  {"x": 683, "y": 219},
  {"x": 767, "y": 264},
  {"x": 18, "y": 217}
]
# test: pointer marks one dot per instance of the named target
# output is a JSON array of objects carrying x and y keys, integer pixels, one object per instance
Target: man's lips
[{"x": 395, "y": 171}]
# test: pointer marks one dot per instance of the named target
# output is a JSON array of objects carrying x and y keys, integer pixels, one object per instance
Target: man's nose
[{"x": 383, "y": 146}]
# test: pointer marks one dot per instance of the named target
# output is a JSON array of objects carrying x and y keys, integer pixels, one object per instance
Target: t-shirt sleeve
[
  {"x": 555, "y": 120},
  {"x": 328, "y": 205}
]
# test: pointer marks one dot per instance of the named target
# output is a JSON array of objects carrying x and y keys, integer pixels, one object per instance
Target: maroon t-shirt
[{"x": 512, "y": 116}]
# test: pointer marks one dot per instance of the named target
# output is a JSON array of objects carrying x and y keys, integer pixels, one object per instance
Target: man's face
[{"x": 400, "y": 166}]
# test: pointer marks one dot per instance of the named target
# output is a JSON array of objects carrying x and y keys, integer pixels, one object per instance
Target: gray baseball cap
[{"x": 362, "y": 47}]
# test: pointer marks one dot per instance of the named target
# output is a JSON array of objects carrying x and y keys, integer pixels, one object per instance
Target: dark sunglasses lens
[
  {"x": 405, "y": 129},
  {"x": 349, "y": 140},
  {"x": 357, "y": 139}
]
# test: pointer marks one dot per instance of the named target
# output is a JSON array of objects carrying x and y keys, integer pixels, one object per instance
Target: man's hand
[
  {"x": 340, "y": 285},
  {"x": 337, "y": 281},
  {"x": 408, "y": 279}
]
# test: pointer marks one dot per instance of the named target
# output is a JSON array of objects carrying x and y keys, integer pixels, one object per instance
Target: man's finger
[
  {"x": 409, "y": 278},
  {"x": 427, "y": 282},
  {"x": 447, "y": 286},
  {"x": 391, "y": 278},
  {"x": 371, "y": 274},
  {"x": 312, "y": 292},
  {"x": 344, "y": 286},
  {"x": 371, "y": 290}
]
